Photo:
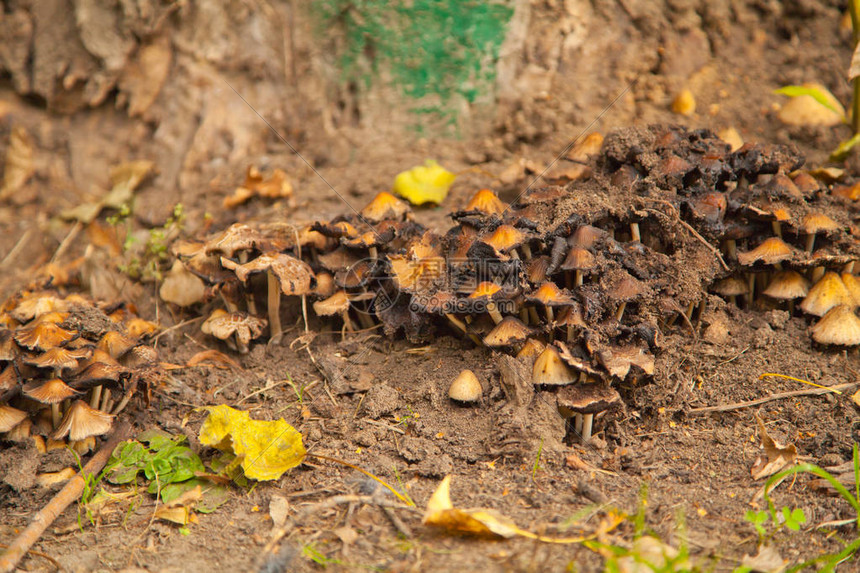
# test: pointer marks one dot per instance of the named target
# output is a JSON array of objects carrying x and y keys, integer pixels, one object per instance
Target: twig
[
  {"x": 73, "y": 232},
  {"x": 66, "y": 496},
  {"x": 175, "y": 327},
  {"x": 45, "y": 556},
  {"x": 780, "y": 396},
  {"x": 384, "y": 425},
  {"x": 25, "y": 238},
  {"x": 693, "y": 231}
]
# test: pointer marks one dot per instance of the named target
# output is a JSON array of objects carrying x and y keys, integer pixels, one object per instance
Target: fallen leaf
[
  {"x": 264, "y": 449},
  {"x": 276, "y": 186},
  {"x": 219, "y": 359},
  {"x": 278, "y": 509},
  {"x": 19, "y": 162},
  {"x": 428, "y": 183},
  {"x": 575, "y": 462},
  {"x": 125, "y": 178},
  {"x": 441, "y": 513},
  {"x": 774, "y": 456},
  {"x": 767, "y": 560},
  {"x": 650, "y": 554},
  {"x": 180, "y": 515}
]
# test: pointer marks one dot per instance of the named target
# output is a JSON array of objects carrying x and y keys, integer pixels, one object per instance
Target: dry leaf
[
  {"x": 854, "y": 68},
  {"x": 428, "y": 183},
  {"x": 19, "y": 162},
  {"x": 650, "y": 554},
  {"x": 774, "y": 456},
  {"x": 276, "y": 186},
  {"x": 180, "y": 515},
  {"x": 278, "y": 509},
  {"x": 767, "y": 560},
  {"x": 575, "y": 462},
  {"x": 220, "y": 359}
]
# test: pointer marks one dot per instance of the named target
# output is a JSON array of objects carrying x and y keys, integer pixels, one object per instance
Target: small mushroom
[
  {"x": 814, "y": 223},
  {"x": 339, "y": 304},
  {"x": 229, "y": 325},
  {"x": 731, "y": 288},
  {"x": 531, "y": 349},
  {"x": 578, "y": 260},
  {"x": 116, "y": 344},
  {"x": 509, "y": 332},
  {"x": 485, "y": 292},
  {"x": 34, "y": 306},
  {"x": 840, "y": 326},
  {"x": 43, "y": 335},
  {"x": 386, "y": 206},
  {"x": 182, "y": 287},
  {"x": 51, "y": 392},
  {"x": 370, "y": 240},
  {"x": 81, "y": 421},
  {"x": 788, "y": 286},
  {"x": 537, "y": 268},
  {"x": 583, "y": 401},
  {"x": 465, "y": 388},
  {"x": 625, "y": 289},
  {"x": 550, "y": 370},
  {"x": 10, "y": 417},
  {"x": 771, "y": 251},
  {"x": 586, "y": 236},
  {"x": 827, "y": 293},
  {"x": 549, "y": 295},
  {"x": 506, "y": 239},
  {"x": 487, "y": 203}
]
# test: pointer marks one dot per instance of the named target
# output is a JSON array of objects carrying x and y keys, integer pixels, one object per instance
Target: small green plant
[
  {"x": 786, "y": 517},
  {"x": 536, "y": 466},
  {"x": 146, "y": 262}
]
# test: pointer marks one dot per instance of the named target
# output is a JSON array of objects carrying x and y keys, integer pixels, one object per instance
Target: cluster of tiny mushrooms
[
  {"x": 580, "y": 280},
  {"x": 68, "y": 366}
]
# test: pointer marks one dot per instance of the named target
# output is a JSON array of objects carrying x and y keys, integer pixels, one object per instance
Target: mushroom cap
[
  {"x": 625, "y": 288},
  {"x": 578, "y": 259},
  {"x": 35, "y": 306},
  {"x": 51, "y": 391},
  {"x": 356, "y": 275},
  {"x": 772, "y": 250},
  {"x": 339, "y": 258},
  {"x": 585, "y": 236},
  {"x": 385, "y": 206},
  {"x": 139, "y": 328},
  {"x": 372, "y": 238},
  {"x": 817, "y": 222},
  {"x": 308, "y": 237},
  {"x": 58, "y": 358},
  {"x": 570, "y": 316},
  {"x": 852, "y": 284},
  {"x": 619, "y": 359},
  {"x": 222, "y": 324},
  {"x": 81, "y": 422},
  {"x": 507, "y": 333},
  {"x": 485, "y": 289},
  {"x": 338, "y": 303},
  {"x": 8, "y": 379},
  {"x": 531, "y": 349},
  {"x": 588, "y": 398},
  {"x": 10, "y": 417},
  {"x": 840, "y": 326},
  {"x": 116, "y": 343},
  {"x": 237, "y": 237},
  {"x": 295, "y": 277},
  {"x": 536, "y": 269},
  {"x": 505, "y": 238},
  {"x": 465, "y": 387},
  {"x": 439, "y": 302},
  {"x": 549, "y": 369},
  {"x": 8, "y": 349},
  {"x": 486, "y": 202},
  {"x": 98, "y": 374},
  {"x": 550, "y": 295},
  {"x": 43, "y": 335},
  {"x": 731, "y": 286},
  {"x": 787, "y": 285},
  {"x": 182, "y": 287},
  {"x": 827, "y": 293},
  {"x": 325, "y": 284}
]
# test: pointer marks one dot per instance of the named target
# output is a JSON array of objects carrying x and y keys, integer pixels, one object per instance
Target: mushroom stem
[
  {"x": 366, "y": 321},
  {"x": 456, "y": 322},
  {"x": 810, "y": 242},
  {"x": 347, "y": 323},
  {"x": 577, "y": 423},
  {"x": 55, "y": 414},
  {"x": 227, "y": 303},
  {"x": 514, "y": 253},
  {"x": 777, "y": 228},
  {"x": 570, "y": 333},
  {"x": 274, "y": 308},
  {"x": 374, "y": 253},
  {"x": 634, "y": 232},
  {"x": 527, "y": 251},
  {"x": 816, "y": 274},
  {"x": 578, "y": 275},
  {"x": 249, "y": 296},
  {"x": 106, "y": 401},
  {"x": 731, "y": 249},
  {"x": 494, "y": 312},
  {"x": 751, "y": 289},
  {"x": 620, "y": 312},
  {"x": 733, "y": 300},
  {"x": 305, "y": 311},
  {"x": 96, "y": 397},
  {"x": 849, "y": 268},
  {"x": 549, "y": 314},
  {"x": 533, "y": 315},
  {"x": 587, "y": 423},
  {"x": 524, "y": 315}
]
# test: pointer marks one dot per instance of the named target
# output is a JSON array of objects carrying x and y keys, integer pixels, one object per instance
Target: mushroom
[
  {"x": 51, "y": 392},
  {"x": 285, "y": 274},
  {"x": 731, "y": 288},
  {"x": 487, "y": 203},
  {"x": 465, "y": 388},
  {"x": 506, "y": 239},
  {"x": 771, "y": 251},
  {"x": 814, "y": 223},
  {"x": 43, "y": 335},
  {"x": 586, "y": 236},
  {"x": 549, "y": 295},
  {"x": 788, "y": 286},
  {"x": 386, "y": 206},
  {"x": 225, "y": 325},
  {"x": 531, "y": 349},
  {"x": 338, "y": 303},
  {"x": 182, "y": 287},
  {"x": 509, "y": 332},
  {"x": 10, "y": 417},
  {"x": 840, "y": 326},
  {"x": 827, "y": 293},
  {"x": 583, "y": 401},
  {"x": 35, "y": 306},
  {"x": 370, "y": 240},
  {"x": 536, "y": 269},
  {"x": 550, "y": 370},
  {"x": 116, "y": 344},
  {"x": 852, "y": 284},
  {"x": 624, "y": 289},
  {"x": 81, "y": 421},
  {"x": 485, "y": 292},
  {"x": 570, "y": 319},
  {"x": 579, "y": 260}
]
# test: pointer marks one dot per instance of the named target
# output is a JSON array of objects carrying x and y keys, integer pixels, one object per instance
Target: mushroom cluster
[
  {"x": 68, "y": 366},
  {"x": 582, "y": 280}
]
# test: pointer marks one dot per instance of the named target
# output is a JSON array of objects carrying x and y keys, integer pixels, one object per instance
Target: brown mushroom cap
[
  {"x": 465, "y": 387},
  {"x": 385, "y": 206},
  {"x": 182, "y": 287},
  {"x": 58, "y": 358},
  {"x": 531, "y": 349},
  {"x": 852, "y": 285},
  {"x": 787, "y": 285},
  {"x": 771, "y": 251},
  {"x": 81, "y": 422},
  {"x": 589, "y": 398},
  {"x": 485, "y": 290},
  {"x": 578, "y": 259},
  {"x": 43, "y": 335},
  {"x": 817, "y": 222},
  {"x": 51, "y": 391},
  {"x": 486, "y": 202},
  {"x": 840, "y": 326},
  {"x": 549, "y": 369},
  {"x": 827, "y": 293},
  {"x": 35, "y": 306},
  {"x": 537, "y": 268},
  {"x": 372, "y": 238},
  {"x": 8, "y": 379},
  {"x": 619, "y": 359},
  {"x": 235, "y": 238},
  {"x": 505, "y": 238},
  {"x": 294, "y": 275},
  {"x": 338, "y": 303},
  {"x": 550, "y": 295},
  {"x": 10, "y": 417},
  {"x": 586, "y": 236},
  {"x": 508, "y": 332},
  {"x": 731, "y": 286},
  {"x": 115, "y": 344},
  {"x": 625, "y": 288},
  {"x": 222, "y": 324},
  {"x": 338, "y": 259}
]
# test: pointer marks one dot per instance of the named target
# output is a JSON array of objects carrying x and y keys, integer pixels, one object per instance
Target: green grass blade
[{"x": 814, "y": 93}]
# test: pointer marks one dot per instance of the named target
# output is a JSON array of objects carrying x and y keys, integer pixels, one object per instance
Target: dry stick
[
  {"x": 66, "y": 496},
  {"x": 693, "y": 231},
  {"x": 780, "y": 396}
]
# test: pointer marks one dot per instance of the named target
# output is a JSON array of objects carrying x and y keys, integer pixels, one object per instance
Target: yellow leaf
[
  {"x": 265, "y": 450},
  {"x": 428, "y": 183}
]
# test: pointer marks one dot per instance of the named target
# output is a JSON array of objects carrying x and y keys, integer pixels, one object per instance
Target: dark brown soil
[{"x": 381, "y": 403}]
